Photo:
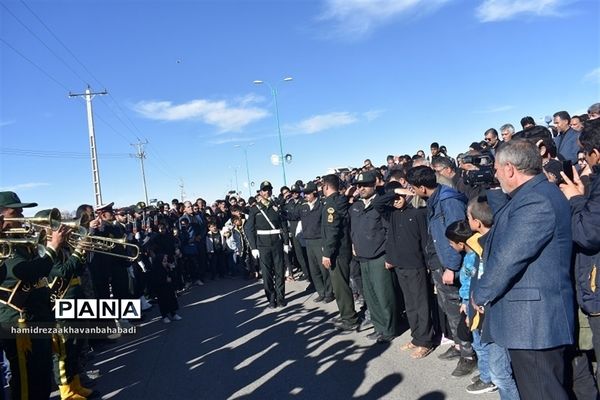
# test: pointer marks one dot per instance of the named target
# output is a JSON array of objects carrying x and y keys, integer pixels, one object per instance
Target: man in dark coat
[{"x": 526, "y": 291}]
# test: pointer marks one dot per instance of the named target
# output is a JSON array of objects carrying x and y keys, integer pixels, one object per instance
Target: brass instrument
[
  {"x": 103, "y": 245},
  {"x": 50, "y": 218},
  {"x": 36, "y": 240}
]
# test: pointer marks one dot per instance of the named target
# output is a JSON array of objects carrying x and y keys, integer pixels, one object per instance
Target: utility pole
[
  {"x": 237, "y": 187},
  {"x": 89, "y": 95},
  {"x": 181, "y": 189},
  {"x": 141, "y": 155}
]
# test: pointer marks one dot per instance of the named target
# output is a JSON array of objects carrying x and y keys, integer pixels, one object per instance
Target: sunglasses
[{"x": 581, "y": 159}]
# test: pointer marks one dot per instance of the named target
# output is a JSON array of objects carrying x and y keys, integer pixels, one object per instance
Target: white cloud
[
  {"x": 225, "y": 116},
  {"x": 372, "y": 114},
  {"x": 23, "y": 186},
  {"x": 6, "y": 123},
  {"x": 499, "y": 10},
  {"x": 593, "y": 76},
  {"x": 492, "y": 110},
  {"x": 357, "y": 18},
  {"x": 318, "y": 123}
]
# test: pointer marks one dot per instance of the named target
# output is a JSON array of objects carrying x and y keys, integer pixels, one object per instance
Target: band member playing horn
[{"x": 25, "y": 299}]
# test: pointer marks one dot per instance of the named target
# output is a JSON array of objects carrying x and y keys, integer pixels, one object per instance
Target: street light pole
[
  {"x": 245, "y": 148},
  {"x": 274, "y": 93}
]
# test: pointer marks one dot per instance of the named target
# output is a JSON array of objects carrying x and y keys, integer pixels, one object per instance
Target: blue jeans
[
  {"x": 483, "y": 357},
  {"x": 501, "y": 372}
]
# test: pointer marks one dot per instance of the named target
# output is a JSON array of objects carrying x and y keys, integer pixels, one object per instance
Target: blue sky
[{"x": 370, "y": 79}]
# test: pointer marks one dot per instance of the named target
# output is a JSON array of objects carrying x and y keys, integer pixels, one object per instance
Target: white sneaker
[
  {"x": 199, "y": 282},
  {"x": 166, "y": 320},
  {"x": 176, "y": 317}
]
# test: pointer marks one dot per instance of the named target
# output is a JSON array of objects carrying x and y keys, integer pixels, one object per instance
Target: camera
[{"x": 484, "y": 174}]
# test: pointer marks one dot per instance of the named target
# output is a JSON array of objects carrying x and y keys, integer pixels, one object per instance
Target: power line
[
  {"x": 44, "y": 43},
  {"x": 83, "y": 66},
  {"x": 35, "y": 65},
  {"x": 161, "y": 162},
  {"x": 11, "y": 151}
]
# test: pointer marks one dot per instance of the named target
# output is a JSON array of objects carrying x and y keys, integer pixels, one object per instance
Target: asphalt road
[{"x": 229, "y": 345}]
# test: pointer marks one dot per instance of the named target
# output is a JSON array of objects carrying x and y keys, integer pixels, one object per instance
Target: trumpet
[
  {"x": 50, "y": 218},
  {"x": 103, "y": 245},
  {"x": 8, "y": 245}
]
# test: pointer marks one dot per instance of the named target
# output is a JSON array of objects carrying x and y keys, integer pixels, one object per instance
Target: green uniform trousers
[
  {"x": 319, "y": 274},
  {"x": 378, "y": 287},
  {"x": 340, "y": 281}
]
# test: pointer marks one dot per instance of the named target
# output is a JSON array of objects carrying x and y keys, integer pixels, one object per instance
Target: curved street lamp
[{"x": 274, "y": 93}]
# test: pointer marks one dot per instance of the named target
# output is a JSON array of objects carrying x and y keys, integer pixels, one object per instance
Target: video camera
[{"x": 484, "y": 174}]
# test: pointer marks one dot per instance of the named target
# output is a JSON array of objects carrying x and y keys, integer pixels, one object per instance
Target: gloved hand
[
  {"x": 286, "y": 248},
  {"x": 255, "y": 253}
]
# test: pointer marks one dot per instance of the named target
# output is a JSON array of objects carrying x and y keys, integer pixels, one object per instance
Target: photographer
[
  {"x": 477, "y": 173},
  {"x": 585, "y": 223}
]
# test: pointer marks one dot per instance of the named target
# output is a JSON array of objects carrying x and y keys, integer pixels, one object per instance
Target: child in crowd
[
  {"x": 461, "y": 239},
  {"x": 215, "y": 247},
  {"x": 481, "y": 218},
  {"x": 163, "y": 279},
  {"x": 235, "y": 244}
]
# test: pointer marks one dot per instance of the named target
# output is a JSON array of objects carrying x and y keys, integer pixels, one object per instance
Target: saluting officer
[
  {"x": 368, "y": 240},
  {"x": 268, "y": 238},
  {"x": 311, "y": 216},
  {"x": 25, "y": 300},
  {"x": 337, "y": 250}
]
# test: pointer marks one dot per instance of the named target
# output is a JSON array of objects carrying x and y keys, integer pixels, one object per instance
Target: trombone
[{"x": 102, "y": 245}]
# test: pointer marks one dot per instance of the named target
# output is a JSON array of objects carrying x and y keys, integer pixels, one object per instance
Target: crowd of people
[{"x": 494, "y": 252}]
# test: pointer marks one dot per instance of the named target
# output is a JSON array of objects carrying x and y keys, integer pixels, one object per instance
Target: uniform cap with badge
[
  {"x": 266, "y": 185},
  {"x": 311, "y": 187},
  {"x": 105, "y": 208},
  {"x": 366, "y": 178},
  {"x": 296, "y": 189}
]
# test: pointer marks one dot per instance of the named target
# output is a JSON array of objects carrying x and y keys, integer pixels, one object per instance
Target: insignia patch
[
  {"x": 330, "y": 210},
  {"x": 330, "y": 218}
]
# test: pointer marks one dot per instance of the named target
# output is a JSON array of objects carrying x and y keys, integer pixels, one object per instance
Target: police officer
[
  {"x": 25, "y": 301},
  {"x": 291, "y": 211},
  {"x": 337, "y": 250},
  {"x": 268, "y": 238},
  {"x": 368, "y": 241},
  {"x": 310, "y": 214}
]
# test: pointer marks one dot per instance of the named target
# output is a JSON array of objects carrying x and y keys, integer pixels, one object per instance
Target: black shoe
[
  {"x": 281, "y": 304},
  {"x": 464, "y": 367},
  {"x": 319, "y": 299},
  {"x": 346, "y": 326},
  {"x": 449, "y": 354},
  {"x": 374, "y": 335},
  {"x": 272, "y": 304},
  {"x": 479, "y": 387},
  {"x": 329, "y": 299},
  {"x": 336, "y": 320},
  {"x": 385, "y": 339}
]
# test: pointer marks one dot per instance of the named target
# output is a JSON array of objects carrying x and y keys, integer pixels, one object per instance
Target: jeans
[
  {"x": 501, "y": 372},
  {"x": 483, "y": 357}
]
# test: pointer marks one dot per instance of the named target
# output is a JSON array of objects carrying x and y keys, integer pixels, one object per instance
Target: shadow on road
[{"x": 230, "y": 346}]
